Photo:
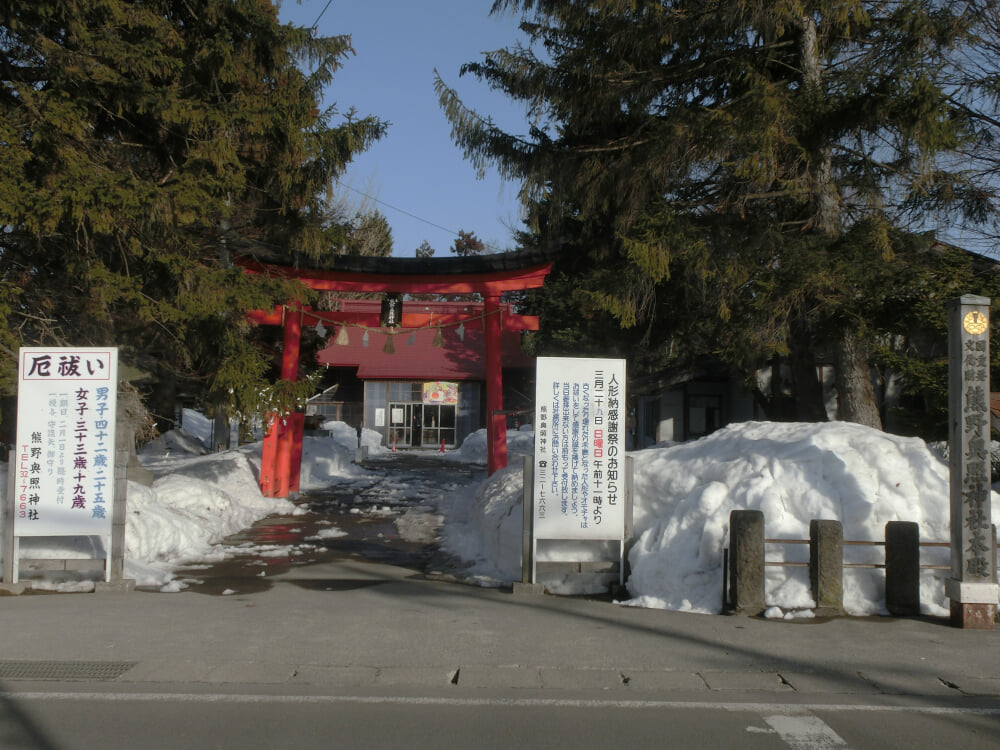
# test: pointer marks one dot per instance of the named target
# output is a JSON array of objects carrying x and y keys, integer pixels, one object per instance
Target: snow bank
[
  {"x": 174, "y": 444},
  {"x": 486, "y": 533},
  {"x": 519, "y": 443},
  {"x": 792, "y": 473},
  {"x": 347, "y": 436},
  {"x": 187, "y": 510},
  {"x": 684, "y": 494},
  {"x": 195, "y": 501}
]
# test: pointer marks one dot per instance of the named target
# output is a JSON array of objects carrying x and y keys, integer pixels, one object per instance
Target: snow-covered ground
[{"x": 683, "y": 495}]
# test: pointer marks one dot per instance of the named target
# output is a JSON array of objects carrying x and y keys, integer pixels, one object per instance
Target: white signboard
[
  {"x": 579, "y": 472},
  {"x": 65, "y": 453}
]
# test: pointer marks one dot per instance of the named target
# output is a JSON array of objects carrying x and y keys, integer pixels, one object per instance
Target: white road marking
[
  {"x": 805, "y": 732},
  {"x": 764, "y": 709}
]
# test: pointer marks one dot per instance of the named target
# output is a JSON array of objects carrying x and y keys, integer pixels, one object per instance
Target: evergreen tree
[
  {"x": 144, "y": 143},
  {"x": 713, "y": 159},
  {"x": 466, "y": 244},
  {"x": 370, "y": 234},
  {"x": 975, "y": 75},
  {"x": 424, "y": 250}
]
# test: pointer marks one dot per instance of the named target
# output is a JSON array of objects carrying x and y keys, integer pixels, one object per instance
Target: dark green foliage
[
  {"x": 467, "y": 244},
  {"x": 729, "y": 177},
  {"x": 143, "y": 145}
]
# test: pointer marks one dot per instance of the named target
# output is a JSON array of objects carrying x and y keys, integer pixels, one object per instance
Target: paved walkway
[{"x": 350, "y": 624}]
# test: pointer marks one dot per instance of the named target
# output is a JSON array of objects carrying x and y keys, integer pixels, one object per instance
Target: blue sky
[{"x": 423, "y": 186}]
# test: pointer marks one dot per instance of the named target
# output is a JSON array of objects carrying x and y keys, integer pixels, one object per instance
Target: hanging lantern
[
  {"x": 342, "y": 339},
  {"x": 392, "y": 311}
]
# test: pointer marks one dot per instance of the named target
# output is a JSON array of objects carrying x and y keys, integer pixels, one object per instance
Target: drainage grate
[{"x": 63, "y": 670}]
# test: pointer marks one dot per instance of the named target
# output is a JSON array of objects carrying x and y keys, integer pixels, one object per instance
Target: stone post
[
  {"x": 746, "y": 562},
  {"x": 902, "y": 568},
  {"x": 826, "y": 566},
  {"x": 115, "y": 581},
  {"x": 972, "y": 586}
]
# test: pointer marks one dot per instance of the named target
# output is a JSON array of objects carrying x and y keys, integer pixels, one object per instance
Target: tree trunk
[
  {"x": 855, "y": 392},
  {"x": 826, "y": 216},
  {"x": 809, "y": 405},
  {"x": 220, "y": 428},
  {"x": 163, "y": 399}
]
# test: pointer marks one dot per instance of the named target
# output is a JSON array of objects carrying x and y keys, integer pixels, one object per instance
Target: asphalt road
[{"x": 64, "y": 717}]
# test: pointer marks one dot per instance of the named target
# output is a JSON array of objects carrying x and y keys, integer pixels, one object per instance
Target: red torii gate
[{"x": 487, "y": 275}]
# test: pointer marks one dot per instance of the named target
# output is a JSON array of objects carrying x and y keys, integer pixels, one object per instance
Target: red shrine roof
[{"x": 461, "y": 357}]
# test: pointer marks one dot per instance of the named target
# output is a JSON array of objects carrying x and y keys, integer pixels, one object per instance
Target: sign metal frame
[
  {"x": 580, "y": 482},
  {"x": 65, "y": 468}
]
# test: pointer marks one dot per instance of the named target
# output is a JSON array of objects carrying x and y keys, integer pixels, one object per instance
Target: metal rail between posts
[{"x": 850, "y": 543}]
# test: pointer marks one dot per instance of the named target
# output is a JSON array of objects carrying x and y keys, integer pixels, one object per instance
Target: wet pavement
[{"x": 390, "y": 515}]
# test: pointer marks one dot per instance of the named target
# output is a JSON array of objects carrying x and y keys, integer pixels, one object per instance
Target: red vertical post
[
  {"x": 296, "y": 424},
  {"x": 282, "y": 452},
  {"x": 496, "y": 424},
  {"x": 269, "y": 458},
  {"x": 287, "y": 472}
]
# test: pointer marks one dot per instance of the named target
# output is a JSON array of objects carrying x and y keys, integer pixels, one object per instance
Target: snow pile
[
  {"x": 325, "y": 461},
  {"x": 486, "y": 533},
  {"x": 347, "y": 436},
  {"x": 519, "y": 443},
  {"x": 198, "y": 503},
  {"x": 198, "y": 500},
  {"x": 175, "y": 444},
  {"x": 792, "y": 473},
  {"x": 684, "y": 494}
]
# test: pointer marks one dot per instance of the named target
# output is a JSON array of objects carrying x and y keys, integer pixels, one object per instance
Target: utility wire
[
  {"x": 397, "y": 208},
  {"x": 452, "y": 232},
  {"x": 316, "y": 22}
]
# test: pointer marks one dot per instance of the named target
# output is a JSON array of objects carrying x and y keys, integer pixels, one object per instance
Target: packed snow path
[{"x": 390, "y": 514}]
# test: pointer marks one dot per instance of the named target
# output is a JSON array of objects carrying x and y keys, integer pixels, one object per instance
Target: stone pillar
[
  {"x": 902, "y": 568},
  {"x": 972, "y": 586},
  {"x": 746, "y": 562},
  {"x": 826, "y": 566},
  {"x": 115, "y": 580}
]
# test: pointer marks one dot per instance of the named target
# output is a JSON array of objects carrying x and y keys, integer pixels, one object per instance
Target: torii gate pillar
[
  {"x": 496, "y": 437},
  {"x": 281, "y": 453}
]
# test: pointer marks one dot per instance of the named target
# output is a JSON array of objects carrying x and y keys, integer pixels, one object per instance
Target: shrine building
[{"x": 422, "y": 386}]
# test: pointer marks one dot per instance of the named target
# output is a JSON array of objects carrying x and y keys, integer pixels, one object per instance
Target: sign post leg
[
  {"x": 10, "y": 547},
  {"x": 527, "y": 583}
]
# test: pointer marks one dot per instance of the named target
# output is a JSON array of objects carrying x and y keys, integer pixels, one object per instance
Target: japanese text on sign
[
  {"x": 976, "y": 478},
  {"x": 65, "y": 441},
  {"x": 579, "y": 448}
]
